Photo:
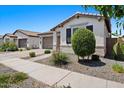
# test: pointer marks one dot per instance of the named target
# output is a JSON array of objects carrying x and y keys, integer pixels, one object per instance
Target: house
[
  {"x": 1, "y": 39},
  {"x": 23, "y": 38},
  {"x": 59, "y": 37},
  {"x": 9, "y": 38},
  {"x": 27, "y": 39}
]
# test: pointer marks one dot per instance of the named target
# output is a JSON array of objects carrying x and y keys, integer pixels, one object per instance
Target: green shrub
[
  {"x": 12, "y": 47},
  {"x": 20, "y": 49},
  {"x": 32, "y": 54},
  {"x": 118, "y": 51},
  {"x": 28, "y": 48},
  {"x": 95, "y": 58},
  {"x": 47, "y": 51},
  {"x": 6, "y": 80},
  {"x": 83, "y": 42},
  {"x": 118, "y": 68},
  {"x": 59, "y": 58},
  {"x": 9, "y": 46}
]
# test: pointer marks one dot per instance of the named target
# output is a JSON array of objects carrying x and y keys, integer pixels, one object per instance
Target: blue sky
[{"x": 36, "y": 18}]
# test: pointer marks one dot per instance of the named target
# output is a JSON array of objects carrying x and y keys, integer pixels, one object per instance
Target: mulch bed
[
  {"x": 28, "y": 83},
  {"x": 101, "y": 69}
]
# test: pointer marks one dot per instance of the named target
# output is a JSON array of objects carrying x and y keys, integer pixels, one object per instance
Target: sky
[{"x": 37, "y": 18}]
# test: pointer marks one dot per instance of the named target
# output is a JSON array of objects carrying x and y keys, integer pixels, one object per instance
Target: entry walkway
[{"x": 56, "y": 76}]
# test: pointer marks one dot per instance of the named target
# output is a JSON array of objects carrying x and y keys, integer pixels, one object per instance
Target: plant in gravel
[
  {"x": 20, "y": 49},
  {"x": 83, "y": 42},
  {"x": 47, "y": 51},
  {"x": 59, "y": 58},
  {"x": 28, "y": 48},
  {"x": 6, "y": 80},
  {"x": 118, "y": 68},
  {"x": 32, "y": 54}
]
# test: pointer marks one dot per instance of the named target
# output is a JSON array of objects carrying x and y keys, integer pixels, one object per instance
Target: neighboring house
[
  {"x": 27, "y": 39},
  {"x": 9, "y": 38},
  {"x": 1, "y": 39},
  {"x": 59, "y": 38}
]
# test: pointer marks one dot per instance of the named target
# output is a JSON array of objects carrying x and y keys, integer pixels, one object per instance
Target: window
[
  {"x": 74, "y": 29},
  {"x": 68, "y": 35},
  {"x": 90, "y": 27}
]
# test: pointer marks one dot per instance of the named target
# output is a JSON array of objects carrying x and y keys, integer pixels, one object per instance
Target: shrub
[
  {"x": 47, "y": 51},
  {"x": 12, "y": 47},
  {"x": 59, "y": 58},
  {"x": 7, "y": 79},
  {"x": 83, "y": 42},
  {"x": 32, "y": 54},
  {"x": 118, "y": 68},
  {"x": 9, "y": 46},
  {"x": 28, "y": 48},
  {"x": 20, "y": 49},
  {"x": 95, "y": 58},
  {"x": 118, "y": 51},
  {"x": 19, "y": 77}
]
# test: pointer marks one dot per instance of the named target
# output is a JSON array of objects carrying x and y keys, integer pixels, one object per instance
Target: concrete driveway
[{"x": 20, "y": 54}]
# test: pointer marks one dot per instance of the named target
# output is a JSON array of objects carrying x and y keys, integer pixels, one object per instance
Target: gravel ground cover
[{"x": 101, "y": 69}]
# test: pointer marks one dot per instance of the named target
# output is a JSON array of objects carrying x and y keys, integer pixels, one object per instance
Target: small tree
[{"x": 83, "y": 42}]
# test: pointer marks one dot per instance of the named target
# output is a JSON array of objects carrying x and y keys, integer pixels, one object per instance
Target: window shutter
[{"x": 68, "y": 35}]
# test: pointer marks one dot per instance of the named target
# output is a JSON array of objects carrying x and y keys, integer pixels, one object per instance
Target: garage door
[
  {"x": 22, "y": 43},
  {"x": 47, "y": 42}
]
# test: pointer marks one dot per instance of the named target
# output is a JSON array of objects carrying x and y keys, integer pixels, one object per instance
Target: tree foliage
[{"x": 111, "y": 11}]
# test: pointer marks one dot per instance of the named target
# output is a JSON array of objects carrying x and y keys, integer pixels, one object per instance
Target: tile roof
[
  {"x": 79, "y": 14},
  {"x": 28, "y": 33}
]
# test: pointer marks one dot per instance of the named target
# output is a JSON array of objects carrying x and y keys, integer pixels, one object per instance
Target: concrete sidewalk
[{"x": 56, "y": 76}]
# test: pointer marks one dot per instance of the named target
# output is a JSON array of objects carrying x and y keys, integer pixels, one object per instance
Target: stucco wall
[{"x": 33, "y": 42}]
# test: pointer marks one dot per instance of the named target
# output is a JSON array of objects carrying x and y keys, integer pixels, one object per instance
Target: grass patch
[
  {"x": 118, "y": 68},
  {"x": 6, "y": 80}
]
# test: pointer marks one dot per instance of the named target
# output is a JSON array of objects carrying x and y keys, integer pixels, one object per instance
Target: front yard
[{"x": 101, "y": 69}]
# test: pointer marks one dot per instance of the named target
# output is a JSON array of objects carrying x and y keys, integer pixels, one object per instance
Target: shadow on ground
[{"x": 91, "y": 63}]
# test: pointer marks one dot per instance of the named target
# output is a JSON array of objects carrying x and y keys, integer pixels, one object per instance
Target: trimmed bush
[
  {"x": 95, "y": 58},
  {"x": 118, "y": 68},
  {"x": 83, "y": 42},
  {"x": 47, "y": 51},
  {"x": 32, "y": 54},
  {"x": 59, "y": 58}
]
